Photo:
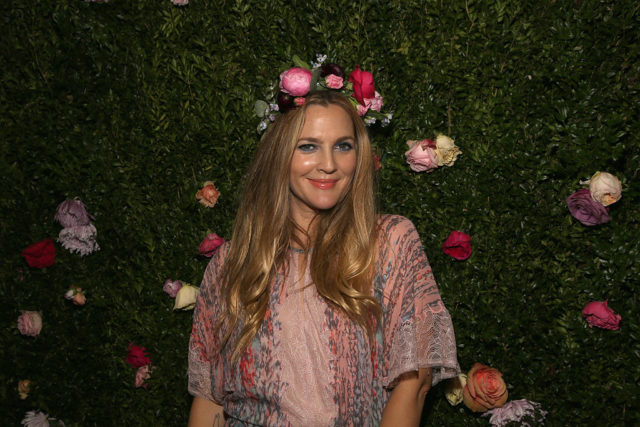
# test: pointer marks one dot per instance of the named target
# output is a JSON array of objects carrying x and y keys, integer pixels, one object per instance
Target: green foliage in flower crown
[{"x": 131, "y": 106}]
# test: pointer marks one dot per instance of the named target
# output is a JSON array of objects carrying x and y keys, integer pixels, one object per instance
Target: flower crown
[{"x": 297, "y": 82}]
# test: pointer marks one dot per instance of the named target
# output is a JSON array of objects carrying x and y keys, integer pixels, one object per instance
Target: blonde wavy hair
[{"x": 343, "y": 256}]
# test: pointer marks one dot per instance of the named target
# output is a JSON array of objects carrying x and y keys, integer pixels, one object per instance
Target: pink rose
[
  {"x": 30, "y": 323},
  {"x": 137, "y": 356},
  {"x": 457, "y": 245},
  {"x": 210, "y": 244},
  {"x": 180, "y": 2},
  {"x": 334, "y": 82},
  {"x": 172, "y": 287},
  {"x": 363, "y": 86},
  {"x": 296, "y": 81},
  {"x": 41, "y": 254},
  {"x": 421, "y": 157},
  {"x": 72, "y": 213},
  {"x": 362, "y": 110},
  {"x": 597, "y": 313},
  {"x": 299, "y": 101},
  {"x": 374, "y": 103},
  {"x": 142, "y": 374},
  {"x": 586, "y": 210}
]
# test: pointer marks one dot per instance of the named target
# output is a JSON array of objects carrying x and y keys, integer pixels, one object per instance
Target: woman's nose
[{"x": 327, "y": 162}]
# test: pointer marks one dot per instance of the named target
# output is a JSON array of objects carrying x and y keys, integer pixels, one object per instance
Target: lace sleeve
[
  {"x": 205, "y": 364},
  {"x": 417, "y": 328}
]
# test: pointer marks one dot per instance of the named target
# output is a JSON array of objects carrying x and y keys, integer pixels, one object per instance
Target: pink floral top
[{"x": 309, "y": 364}]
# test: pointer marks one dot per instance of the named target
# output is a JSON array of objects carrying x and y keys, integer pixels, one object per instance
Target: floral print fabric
[{"x": 309, "y": 364}]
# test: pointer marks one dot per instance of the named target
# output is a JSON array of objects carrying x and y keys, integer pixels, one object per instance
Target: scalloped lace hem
[{"x": 429, "y": 342}]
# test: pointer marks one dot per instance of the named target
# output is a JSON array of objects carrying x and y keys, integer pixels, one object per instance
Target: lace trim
[
  {"x": 427, "y": 342},
  {"x": 199, "y": 373}
]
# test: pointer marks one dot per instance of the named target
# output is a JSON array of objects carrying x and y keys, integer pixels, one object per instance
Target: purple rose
[
  {"x": 171, "y": 287},
  {"x": 331, "y": 68},
  {"x": 586, "y": 210},
  {"x": 72, "y": 213},
  {"x": 296, "y": 81},
  {"x": 285, "y": 102}
]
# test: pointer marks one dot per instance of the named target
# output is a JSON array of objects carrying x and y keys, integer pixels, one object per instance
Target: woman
[{"x": 318, "y": 312}]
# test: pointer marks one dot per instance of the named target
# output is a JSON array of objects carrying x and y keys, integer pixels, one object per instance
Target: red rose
[
  {"x": 362, "y": 84},
  {"x": 137, "y": 356},
  {"x": 457, "y": 245},
  {"x": 41, "y": 254},
  {"x": 210, "y": 244}
]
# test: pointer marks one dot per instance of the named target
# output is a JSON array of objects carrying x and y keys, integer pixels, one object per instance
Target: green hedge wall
[{"x": 132, "y": 105}]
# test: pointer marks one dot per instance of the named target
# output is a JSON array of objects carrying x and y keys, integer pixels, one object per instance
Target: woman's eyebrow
[{"x": 316, "y": 140}]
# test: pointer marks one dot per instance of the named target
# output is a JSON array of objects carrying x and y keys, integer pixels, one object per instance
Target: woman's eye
[
  {"x": 344, "y": 146},
  {"x": 306, "y": 147}
]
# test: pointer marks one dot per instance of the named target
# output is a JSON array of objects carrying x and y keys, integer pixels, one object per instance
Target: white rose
[
  {"x": 454, "y": 389},
  {"x": 605, "y": 188},
  {"x": 186, "y": 297}
]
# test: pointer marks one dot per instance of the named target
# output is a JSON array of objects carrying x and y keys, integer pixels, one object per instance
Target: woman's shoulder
[{"x": 395, "y": 225}]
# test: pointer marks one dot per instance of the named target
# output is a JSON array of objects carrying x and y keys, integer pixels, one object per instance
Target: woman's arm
[
  {"x": 205, "y": 413},
  {"x": 404, "y": 407}
]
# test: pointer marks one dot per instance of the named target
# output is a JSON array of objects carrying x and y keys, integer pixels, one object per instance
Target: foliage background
[{"x": 132, "y": 105}]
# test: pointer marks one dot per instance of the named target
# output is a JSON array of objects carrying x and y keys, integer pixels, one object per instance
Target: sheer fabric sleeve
[
  {"x": 205, "y": 362},
  {"x": 417, "y": 328}
]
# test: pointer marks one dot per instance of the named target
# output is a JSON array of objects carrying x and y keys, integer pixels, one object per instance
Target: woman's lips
[{"x": 323, "y": 184}]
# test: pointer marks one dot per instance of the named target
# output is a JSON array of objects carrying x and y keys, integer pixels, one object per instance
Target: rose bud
[
  {"x": 586, "y": 210},
  {"x": 172, "y": 287},
  {"x": 458, "y": 245},
  {"x": 210, "y": 244},
  {"x": 485, "y": 389},
  {"x": 24, "y": 387},
  {"x": 446, "y": 150},
  {"x": 208, "y": 194},
  {"x": 296, "y": 81},
  {"x": 331, "y": 68},
  {"x": 30, "y": 323},
  {"x": 186, "y": 297},
  {"x": 76, "y": 296},
  {"x": 605, "y": 188},
  {"x": 285, "y": 102},
  {"x": 421, "y": 157},
  {"x": 598, "y": 314},
  {"x": 454, "y": 389},
  {"x": 72, "y": 213}
]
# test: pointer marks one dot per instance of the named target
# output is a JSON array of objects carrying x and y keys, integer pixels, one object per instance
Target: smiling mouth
[{"x": 323, "y": 184}]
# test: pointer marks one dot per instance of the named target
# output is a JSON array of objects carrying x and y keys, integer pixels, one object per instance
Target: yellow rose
[
  {"x": 605, "y": 188},
  {"x": 446, "y": 150},
  {"x": 454, "y": 389},
  {"x": 186, "y": 297}
]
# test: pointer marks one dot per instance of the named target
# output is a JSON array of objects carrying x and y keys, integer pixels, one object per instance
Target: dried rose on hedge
[
  {"x": 598, "y": 313},
  {"x": 41, "y": 254},
  {"x": 605, "y": 188},
  {"x": 458, "y": 245},
  {"x": 208, "y": 194},
  {"x": 30, "y": 323},
  {"x": 72, "y": 213},
  {"x": 485, "y": 389},
  {"x": 137, "y": 356}
]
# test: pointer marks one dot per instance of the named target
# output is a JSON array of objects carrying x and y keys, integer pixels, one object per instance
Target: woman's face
[{"x": 323, "y": 162}]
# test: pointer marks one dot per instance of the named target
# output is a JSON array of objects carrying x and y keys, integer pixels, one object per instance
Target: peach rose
[
  {"x": 30, "y": 323},
  {"x": 421, "y": 156},
  {"x": 485, "y": 389},
  {"x": 605, "y": 188},
  {"x": 208, "y": 194},
  {"x": 24, "y": 387},
  {"x": 75, "y": 295}
]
